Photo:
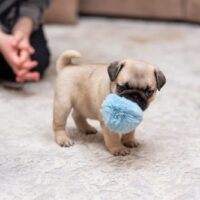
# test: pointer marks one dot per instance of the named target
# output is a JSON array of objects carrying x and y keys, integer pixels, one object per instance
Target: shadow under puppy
[{"x": 83, "y": 88}]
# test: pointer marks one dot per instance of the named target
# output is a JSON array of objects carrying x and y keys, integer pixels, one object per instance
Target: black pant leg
[
  {"x": 6, "y": 72},
  {"x": 42, "y": 53}
]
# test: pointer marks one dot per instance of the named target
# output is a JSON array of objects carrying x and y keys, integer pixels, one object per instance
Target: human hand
[
  {"x": 8, "y": 47},
  {"x": 25, "y": 74},
  {"x": 17, "y": 50},
  {"x": 26, "y": 64},
  {"x": 23, "y": 28}
]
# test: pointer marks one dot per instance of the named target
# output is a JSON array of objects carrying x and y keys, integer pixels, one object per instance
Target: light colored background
[{"x": 166, "y": 166}]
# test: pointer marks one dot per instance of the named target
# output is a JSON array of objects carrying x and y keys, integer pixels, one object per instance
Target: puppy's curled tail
[{"x": 66, "y": 58}]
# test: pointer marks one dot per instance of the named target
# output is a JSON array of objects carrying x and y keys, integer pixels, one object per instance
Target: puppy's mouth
[{"x": 136, "y": 96}]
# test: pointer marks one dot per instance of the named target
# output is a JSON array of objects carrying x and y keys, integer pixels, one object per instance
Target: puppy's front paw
[
  {"x": 64, "y": 141},
  {"x": 130, "y": 144},
  {"x": 120, "y": 151}
]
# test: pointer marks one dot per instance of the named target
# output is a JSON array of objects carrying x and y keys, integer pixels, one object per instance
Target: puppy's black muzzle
[{"x": 136, "y": 96}]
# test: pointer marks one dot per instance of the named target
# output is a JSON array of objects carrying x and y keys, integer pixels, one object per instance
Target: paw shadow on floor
[
  {"x": 82, "y": 138},
  {"x": 94, "y": 147},
  {"x": 95, "y": 142}
]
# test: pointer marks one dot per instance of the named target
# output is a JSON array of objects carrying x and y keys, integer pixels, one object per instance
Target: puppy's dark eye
[
  {"x": 123, "y": 87},
  {"x": 148, "y": 92}
]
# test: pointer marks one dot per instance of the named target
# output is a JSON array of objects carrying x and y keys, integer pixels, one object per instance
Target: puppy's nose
[{"x": 139, "y": 100}]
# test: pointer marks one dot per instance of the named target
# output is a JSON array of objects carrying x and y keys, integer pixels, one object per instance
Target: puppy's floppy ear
[
  {"x": 160, "y": 78},
  {"x": 114, "y": 68}
]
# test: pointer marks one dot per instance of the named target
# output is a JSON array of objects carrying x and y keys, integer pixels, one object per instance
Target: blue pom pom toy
[{"x": 120, "y": 114}]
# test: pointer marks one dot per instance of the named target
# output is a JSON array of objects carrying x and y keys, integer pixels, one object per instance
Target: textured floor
[{"x": 166, "y": 166}]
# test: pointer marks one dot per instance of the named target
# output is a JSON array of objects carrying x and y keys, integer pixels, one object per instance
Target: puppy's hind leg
[
  {"x": 60, "y": 115},
  {"x": 82, "y": 123}
]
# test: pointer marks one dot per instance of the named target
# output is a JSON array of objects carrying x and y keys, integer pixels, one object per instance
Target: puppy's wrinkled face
[{"x": 136, "y": 80}]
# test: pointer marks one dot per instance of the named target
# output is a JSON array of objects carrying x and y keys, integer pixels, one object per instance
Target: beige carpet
[{"x": 166, "y": 166}]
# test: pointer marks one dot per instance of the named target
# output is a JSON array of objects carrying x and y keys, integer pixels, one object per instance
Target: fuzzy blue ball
[{"x": 120, "y": 114}]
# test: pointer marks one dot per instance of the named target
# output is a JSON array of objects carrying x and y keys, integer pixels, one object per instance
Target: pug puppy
[{"x": 82, "y": 89}]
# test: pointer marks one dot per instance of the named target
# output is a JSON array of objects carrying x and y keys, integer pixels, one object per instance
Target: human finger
[
  {"x": 24, "y": 56},
  {"x": 30, "y": 64},
  {"x": 32, "y": 76}
]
